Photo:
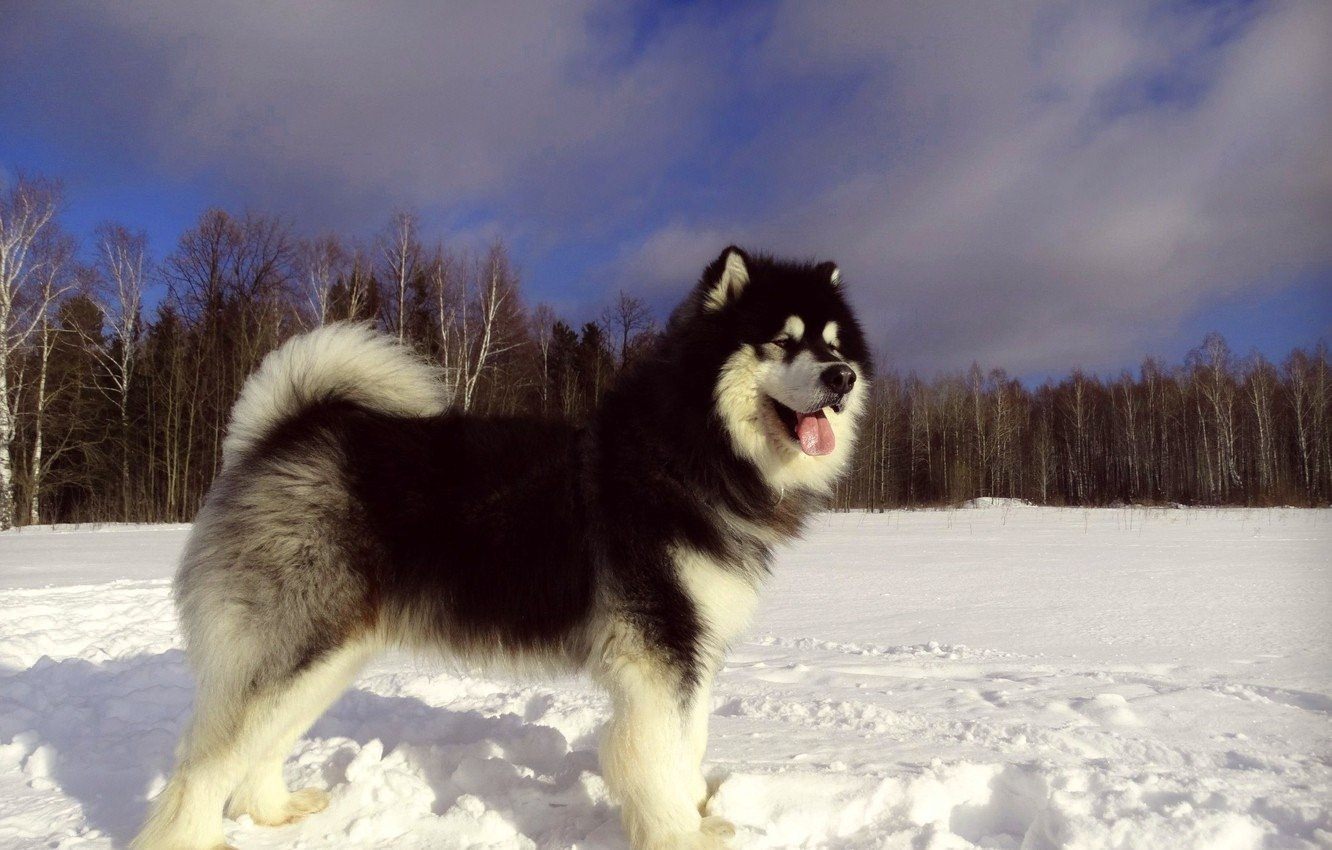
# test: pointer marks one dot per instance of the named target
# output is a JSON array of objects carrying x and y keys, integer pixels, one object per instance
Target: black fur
[
  {"x": 335, "y": 527},
  {"x": 498, "y": 531}
]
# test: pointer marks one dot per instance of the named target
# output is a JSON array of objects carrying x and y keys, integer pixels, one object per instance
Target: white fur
[
  {"x": 794, "y": 328},
  {"x": 836, "y": 277},
  {"x": 235, "y": 750},
  {"x": 734, "y": 277},
  {"x": 757, "y": 434},
  {"x": 263, "y": 794},
  {"x": 797, "y": 384},
  {"x": 830, "y": 332},
  {"x": 724, "y": 598},
  {"x": 343, "y": 360},
  {"x": 739, "y": 403},
  {"x": 696, "y": 743},
  {"x": 646, "y": 754}
]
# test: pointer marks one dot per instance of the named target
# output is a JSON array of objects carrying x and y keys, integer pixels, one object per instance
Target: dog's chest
[{"x": 723, "y": 597}]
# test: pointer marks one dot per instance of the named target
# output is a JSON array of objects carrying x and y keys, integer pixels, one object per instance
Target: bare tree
[
  {"x": 1077, "y": 437},
  {"x": 1307, "y": 389},
  {"x": 229, "y": 278},
  {"x": 52, "y": 276},
  {"x": 119, "y": 286},
  {"x": 543, "y": 333},
  {"x": 27, "y": 209},
  {"x": 1213, "y": 363},
  {"x": 358, "y": 293},
  {"x": 625, "y": 321},
  {"x": 450, "y": 297},
  {"x": 1128, "y": 409},
  {"x": 1260, "y": 383},
  {"x": 400, "y": 248},
  {"x": 320, "y": 264},
  {"x": 485, "y": 321}
]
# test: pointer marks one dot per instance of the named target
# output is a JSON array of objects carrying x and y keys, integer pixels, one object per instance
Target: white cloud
[
  {"x": 1029, "y": 184},
  {"x": 355, "y": 104},
  {"x": 1040, "y": 206}
]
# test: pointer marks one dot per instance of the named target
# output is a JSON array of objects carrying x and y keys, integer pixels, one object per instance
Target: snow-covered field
[{"x": 1001, "y": 677}]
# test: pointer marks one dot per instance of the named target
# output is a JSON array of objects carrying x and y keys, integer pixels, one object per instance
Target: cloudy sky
[{"x": 1033, "y": 185}]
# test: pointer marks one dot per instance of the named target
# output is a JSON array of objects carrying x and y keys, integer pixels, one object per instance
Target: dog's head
[{"x": 795, "y": 373}]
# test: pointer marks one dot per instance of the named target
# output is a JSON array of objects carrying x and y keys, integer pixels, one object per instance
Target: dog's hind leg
[
  {"x": 642, "y": 755},
  {"x": 241, "y": 729},
  {"x": 213, "y": 755},
  {"x": 263, "y": 793}
]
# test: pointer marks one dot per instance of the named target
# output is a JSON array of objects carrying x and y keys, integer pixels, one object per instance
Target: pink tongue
[{"x": 815, "y": 433}]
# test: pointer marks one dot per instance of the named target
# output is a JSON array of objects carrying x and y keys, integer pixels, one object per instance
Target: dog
[{"x": 353, "y": 512}]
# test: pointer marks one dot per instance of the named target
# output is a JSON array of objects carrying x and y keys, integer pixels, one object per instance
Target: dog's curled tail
[{"x": 350, "y": 361}]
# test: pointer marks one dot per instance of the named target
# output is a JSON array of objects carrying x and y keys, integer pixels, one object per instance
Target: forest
[{"x": 118, "y": 367}]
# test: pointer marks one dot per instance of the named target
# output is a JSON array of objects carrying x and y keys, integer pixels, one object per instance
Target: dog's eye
[{"x": 785, "y": 343}]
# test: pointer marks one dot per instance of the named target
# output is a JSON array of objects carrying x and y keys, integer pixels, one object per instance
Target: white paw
[
  {"x": 297, "y": 806},
  {"x": 174, "y": 843},
  {"x": 717, "y": 826},
  {"x": 308, "y": 801},
  {"x": 714, "y": 834}
]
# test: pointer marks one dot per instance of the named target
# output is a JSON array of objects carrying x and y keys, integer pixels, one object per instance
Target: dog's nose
[{"x": 840, "y": 378}]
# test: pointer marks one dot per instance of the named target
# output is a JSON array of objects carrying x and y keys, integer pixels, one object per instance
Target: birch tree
[
  {"x": 487, "y": 320},
  {"x": 51, "y": 281},
  {"x": 400, "y": 248},
  {"x": 1260, "y": 390},
  {"x": 449, "y": 297},
  {"x": 121, "y": 280},
  {"x": 321, "y": 263},
  {"x": 27, "y": 210},
  {"x": 543, "y": 334}
]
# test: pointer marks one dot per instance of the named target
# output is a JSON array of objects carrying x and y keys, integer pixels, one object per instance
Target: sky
[{"x": 1036, "y": 186}]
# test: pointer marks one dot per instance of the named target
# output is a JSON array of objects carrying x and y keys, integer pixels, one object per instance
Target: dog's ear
[
  {"x": 830, "y": 273},
  {"x": 725, "y": 279}
]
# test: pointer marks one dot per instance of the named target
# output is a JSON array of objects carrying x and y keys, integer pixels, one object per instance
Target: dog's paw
[
  {"x": 307, "y": 801},
  {"x": 717, "y": 827},
  {"x": 297, "y": 806},
  {"x": 714, "y": 833}
]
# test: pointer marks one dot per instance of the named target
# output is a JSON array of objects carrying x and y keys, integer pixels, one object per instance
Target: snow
[
  {"x": 1003, "y": 676},
  {"x": 45, "y": 556}
]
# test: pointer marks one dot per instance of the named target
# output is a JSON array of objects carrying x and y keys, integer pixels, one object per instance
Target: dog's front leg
[
  {"x": 696, "y": 716},
  {"x": 645, "y": 748}
]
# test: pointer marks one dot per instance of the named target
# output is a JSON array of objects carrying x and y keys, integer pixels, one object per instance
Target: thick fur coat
[{"x": 353, "y": 513}]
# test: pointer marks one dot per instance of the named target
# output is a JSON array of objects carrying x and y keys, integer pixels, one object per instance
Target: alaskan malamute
[{"x": 353, "y": 513}]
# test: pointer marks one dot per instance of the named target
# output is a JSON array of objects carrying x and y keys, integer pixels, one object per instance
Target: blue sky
[{"x": 1031, "y": 185}]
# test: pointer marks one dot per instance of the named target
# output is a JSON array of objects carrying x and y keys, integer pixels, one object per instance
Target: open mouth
[{"x": 812, "y": 431}]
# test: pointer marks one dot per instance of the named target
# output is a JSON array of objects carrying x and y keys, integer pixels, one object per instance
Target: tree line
[
  {"x": 1215, "y": 430},
  {"x": 118, "y": 369}
]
